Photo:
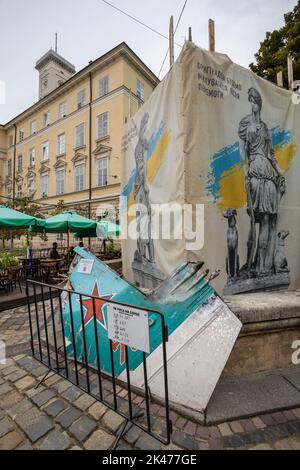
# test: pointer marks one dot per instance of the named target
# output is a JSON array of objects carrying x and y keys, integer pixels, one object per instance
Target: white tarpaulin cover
[{"x": 214, "y": 133}]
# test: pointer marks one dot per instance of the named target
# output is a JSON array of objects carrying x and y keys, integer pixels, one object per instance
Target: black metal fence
[{"x": 48, "y": 344}]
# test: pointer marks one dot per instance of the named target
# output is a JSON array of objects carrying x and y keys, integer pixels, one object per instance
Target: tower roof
[{"x": 52, "y": 55}]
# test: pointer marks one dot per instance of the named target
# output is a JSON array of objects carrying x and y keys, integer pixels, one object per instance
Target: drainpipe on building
[
  {"x": 14, "y": 167},
  {"x": 13, "y": 184},
  {"x": 90, "y": 148}
]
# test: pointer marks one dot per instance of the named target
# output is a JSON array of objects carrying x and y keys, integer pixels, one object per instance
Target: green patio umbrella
[
  {"x": 103, "y": 229},
  {"x": 68, "y": 221},
  {"x": 13, "y": 220}
]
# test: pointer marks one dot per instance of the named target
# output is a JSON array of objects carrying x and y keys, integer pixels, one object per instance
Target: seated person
[
  {"x": 54, "y": 253},
  {"x": 71, "y": 253},
  {"x": 81, "y": 245}
]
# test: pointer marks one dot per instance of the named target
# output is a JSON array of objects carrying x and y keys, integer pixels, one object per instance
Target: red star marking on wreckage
[
  {"x": 115, "y": 347},
  {"x": 88, "y": 305}
]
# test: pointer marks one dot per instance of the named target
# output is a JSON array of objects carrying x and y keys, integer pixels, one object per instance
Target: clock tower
[{"x": 54, "y": 70}]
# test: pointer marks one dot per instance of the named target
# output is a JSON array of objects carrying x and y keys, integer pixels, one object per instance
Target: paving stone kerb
[{"x": 43, "y": 418}]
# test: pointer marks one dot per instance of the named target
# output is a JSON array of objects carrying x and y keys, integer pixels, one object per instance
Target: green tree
[
  {"x": 60, "y": 207},
  {"x": 274, "y": 50},
  {"x": 79, "y": 209},
  {"x": 26, "y": 205}
]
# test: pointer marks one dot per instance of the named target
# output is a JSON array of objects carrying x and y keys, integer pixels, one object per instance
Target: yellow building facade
[{"x": 67, "y": 146}]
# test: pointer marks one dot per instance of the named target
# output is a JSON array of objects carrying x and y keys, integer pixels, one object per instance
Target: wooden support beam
[
  {"x": 171, "y": 41},
  {"x": 211, "y": 35},
  {"x": 280, "y": 79},
  {"x": 290, "y": 72}
]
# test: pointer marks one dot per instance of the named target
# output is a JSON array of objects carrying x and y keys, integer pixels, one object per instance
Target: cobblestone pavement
[
  {"x": 58, "y": 415},
  {"x": 14, "y": 329}
]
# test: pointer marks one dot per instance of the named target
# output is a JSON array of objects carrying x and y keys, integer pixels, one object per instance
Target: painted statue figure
[
  {"x": 280, "y": 260},
  {"x": 264, "y": 184},
  {"x": 145, "y": 248},
  {"x": 232, "y": 259}
]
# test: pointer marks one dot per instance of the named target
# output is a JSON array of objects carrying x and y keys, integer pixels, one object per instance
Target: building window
[
  {"x": 61, "y": 144},
  {"x": 63, "y": 110},
  {"x": 19, "y": 190},
  {"x": 8, "y": 191},
  {"x": 103, "y": 86},
  {"x": 102, "y": 171},
  {"x": 19, "y": 163},
  {"x": 11, "y": 141},
  {"x": 31, "y": 187},
  {"x": 9, "y": 168},
  {"x": 79, "y": 135},
  {"x": 140, "y": 90},
  {"x": 79, "y": 177},
  {"x": 80, "y": 99},
  {"x": 21, "y": 135},
  {"x": 33, "y": 127},
  {"x": 60, "y": 182},
  {"x": 45, "y": 151},
  {"x": 44, "y": 185},
  {"x": 102, "y": 125},
  {"x": 32, "y": 157},
  {"x": 46, "y": 119}
]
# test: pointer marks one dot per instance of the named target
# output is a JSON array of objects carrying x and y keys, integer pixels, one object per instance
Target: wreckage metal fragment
[{"x": 201, "y": 329}]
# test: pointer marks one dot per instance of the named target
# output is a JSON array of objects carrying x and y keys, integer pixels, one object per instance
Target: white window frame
[
  {"x": 8, "y": 191},
  {"x": 80, "y": 135},
  {"x": 103, "y": 125},
  {"x": 33, "y": 128},
  {"x": 61, "y": 144},
  {"x": 19, "y": 190},
  {"x": 31, "y": 157},
  {"x": 19, "y": 166},
  {"x": 45, "y": 145},
  {"x": 44, "y": 178},
  {"x": 46, "y": 119},
  {"x": 79, "y": 183},
  {"x": 140, "y": 89},
  {"x": 103, "y": 86},
  {"x": 21, "y": 134},
  {"x": 80, "y": 98},
  {"x": 102, "y": 177},
  {"x": 62, "y": 109},
  {"x": 60, "y": 181}
]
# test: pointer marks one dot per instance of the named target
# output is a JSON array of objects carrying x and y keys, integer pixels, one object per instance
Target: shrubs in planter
[{"x": 7, "y": 260}]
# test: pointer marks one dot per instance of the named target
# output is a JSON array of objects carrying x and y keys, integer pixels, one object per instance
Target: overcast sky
[{"x": 89, "y": 28}]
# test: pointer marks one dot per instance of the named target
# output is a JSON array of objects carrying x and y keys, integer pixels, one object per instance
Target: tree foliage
[
  {"x": 26, "y": 205},
  {"x": 60, "y": 207},
  {"x": 274, "y": 50},
  {"x": 82, "y": 209}
]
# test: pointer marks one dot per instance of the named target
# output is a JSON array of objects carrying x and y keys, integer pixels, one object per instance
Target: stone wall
[{"x": 271, "y": 323}]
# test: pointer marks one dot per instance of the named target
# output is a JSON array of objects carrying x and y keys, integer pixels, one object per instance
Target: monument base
[
  {"x": 271, "y": 282},
  {"x": 271, "y": 323},
  {"x": 260, "y": 362}
]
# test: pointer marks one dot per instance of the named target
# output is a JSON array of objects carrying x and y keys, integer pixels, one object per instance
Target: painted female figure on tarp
[{"x": 264, "y": 184}]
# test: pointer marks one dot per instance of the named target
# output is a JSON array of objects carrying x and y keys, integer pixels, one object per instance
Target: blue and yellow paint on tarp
[
  {"x": 105, "y": 283},
  {"x": 226, "y": 182},
  {"x": 156, "y": 151}
]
